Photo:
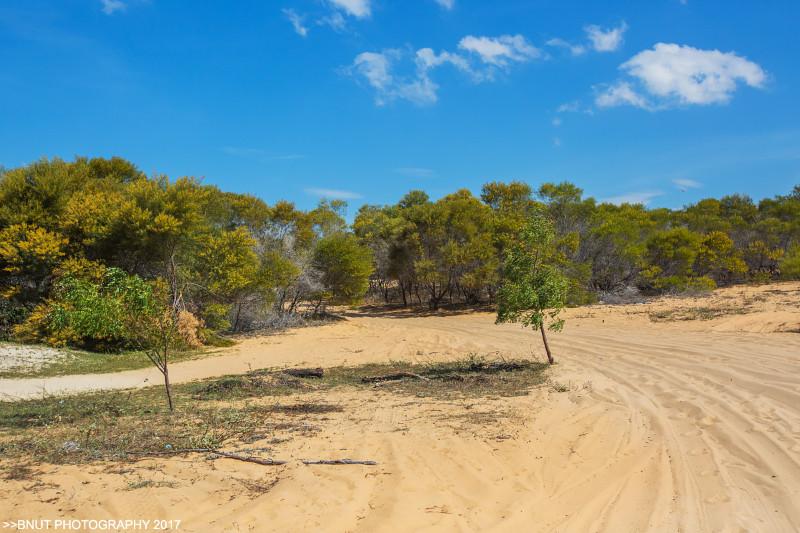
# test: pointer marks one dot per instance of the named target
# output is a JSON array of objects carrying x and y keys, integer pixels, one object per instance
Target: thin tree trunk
[
  {"x": 168, "y": 388},
  {"x": 238, "y": 313},
  {"x": 546, "y": 346}
]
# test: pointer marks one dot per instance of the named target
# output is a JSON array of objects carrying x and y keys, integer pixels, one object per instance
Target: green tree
[
  {"x": 790, "y": 264},
  {"x": 28, "y": 255},
  {"x": 346, "y": 266},
  {"x": 227, "y": 267},
  {"x": 155, "y": 329},
  {"x": 532, "y": 290}
]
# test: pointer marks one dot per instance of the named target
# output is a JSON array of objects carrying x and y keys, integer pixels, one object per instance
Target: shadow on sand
[{"x": 398, "y": 311}]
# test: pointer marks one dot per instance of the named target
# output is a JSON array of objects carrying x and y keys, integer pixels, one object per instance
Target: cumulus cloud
[
  {"x": 574, "y": 49},
  {"x": 374, "y": 67},
  {"x": 356, "y": 8},
  {"x": 112, "y": 6},
  {"x": 605, "y": 40},
  {"x": 334, "y": 194},
  {"x": 377, "y": 69},
  {"x": 332, "y": 13},
  {"x": 621, "y": 93},
  {"x": 483, "y": 57},
  {"x": 670, "y": 74},
  {"x": 643, "y": 198},
  {"x": 297, "y": 22},
  {"x": 500, "y": 51}
]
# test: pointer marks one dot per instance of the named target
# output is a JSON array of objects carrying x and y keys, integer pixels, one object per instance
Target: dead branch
[
  {"x": 398, "y": 376},
  {"x": 249, "y": 458},
  {"x": 340, "y": 462},
  {"x": 212, "y": 451}
]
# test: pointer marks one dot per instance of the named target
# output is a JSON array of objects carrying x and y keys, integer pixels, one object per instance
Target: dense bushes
[
  {"x": 72, "y": 232},
  {"x": 79, "y": 239},
  {"x": 451, "y": 250}
]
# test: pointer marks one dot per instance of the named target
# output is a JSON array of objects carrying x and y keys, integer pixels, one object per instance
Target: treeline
[
  {"x": 452, "y": 250},
  {"x": 76, "y": 239},
  {"x": 81, "y": 241}
]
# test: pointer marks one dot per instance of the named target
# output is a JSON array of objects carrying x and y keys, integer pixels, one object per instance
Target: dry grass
[
  {"x": 231, "y": 411},
  {"x": 696, "y": 313}
]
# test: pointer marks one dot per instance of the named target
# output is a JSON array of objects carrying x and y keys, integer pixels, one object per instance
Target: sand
[{"x": 667, "y": 425}]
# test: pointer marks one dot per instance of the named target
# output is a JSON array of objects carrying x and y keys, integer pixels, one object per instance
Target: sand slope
[{"x": 673, "y": 425}]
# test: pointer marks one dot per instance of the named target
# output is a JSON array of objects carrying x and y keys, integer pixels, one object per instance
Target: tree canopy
[{"x": 237, "y": 263}]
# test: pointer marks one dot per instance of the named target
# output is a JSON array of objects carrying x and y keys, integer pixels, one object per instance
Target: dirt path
[{"x": 667, "y": 426}]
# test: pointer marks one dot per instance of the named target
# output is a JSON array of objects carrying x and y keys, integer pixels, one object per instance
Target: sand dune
[{"x": 669, "y": 424}]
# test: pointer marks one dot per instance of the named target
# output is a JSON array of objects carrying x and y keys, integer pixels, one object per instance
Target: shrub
[
  {"x": 790, "y": 264},
  {"x": 88, "y": 314}
]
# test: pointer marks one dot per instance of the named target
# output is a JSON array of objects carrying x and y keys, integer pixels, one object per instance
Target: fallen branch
[
  {"x": 212, "y": 451},
  {"x": 392, "y": 377},
  {"x": 340, "y": 462},
  {"x": 305, "y": 372},
  {"x": 249, "y": 459}
]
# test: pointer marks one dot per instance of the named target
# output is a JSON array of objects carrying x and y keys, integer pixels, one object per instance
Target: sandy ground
[
  {"x": 19, "y": 356},
  {"x": 670, "y": 424}
]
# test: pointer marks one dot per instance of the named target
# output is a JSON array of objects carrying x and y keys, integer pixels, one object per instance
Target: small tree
[
  {"x": 155, "y": 329},
  {"x": 532, "y": 290}
]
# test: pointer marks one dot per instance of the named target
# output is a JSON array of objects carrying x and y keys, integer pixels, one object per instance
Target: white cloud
[
  {"x": 427, "y": 59},
  {"x": 335, "y": 20},
  {"x": 569, "y": 107},
  {"x": 487, "y": 55},
  {"x": 112, "y": 6},
  {"x": 376, "y": 69},
  {"x": 672, "y": 74},
  {"x": 557, "y": 121},
  {"x": 605, "y": 40},
  {"x": 621, "y": 93},
  {"x": 334, "y": 194},
  {"x": 356, "y": 8},
  {"x": 447, "y": 4},
  {"x": 692, "y": 76},
  {"x": 499, "y": 51},
  {"x": 643, "y": 198},
  {"x": 687, "y": 183},
  {"x": 574, "y": 49},
  {"x": 297, "y": 22}
]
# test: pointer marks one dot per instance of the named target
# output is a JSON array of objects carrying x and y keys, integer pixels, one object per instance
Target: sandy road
[{"x": 674, "y": 426}]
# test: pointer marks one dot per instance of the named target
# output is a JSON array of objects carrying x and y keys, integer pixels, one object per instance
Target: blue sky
[{"x": 665, "y": 101}]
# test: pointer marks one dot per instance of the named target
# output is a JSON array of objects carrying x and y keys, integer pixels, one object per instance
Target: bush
[
  {"x": 11, "y": 314},
  {"x": 87, "y": 314},
  {"x": 790, "y": 264}
]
